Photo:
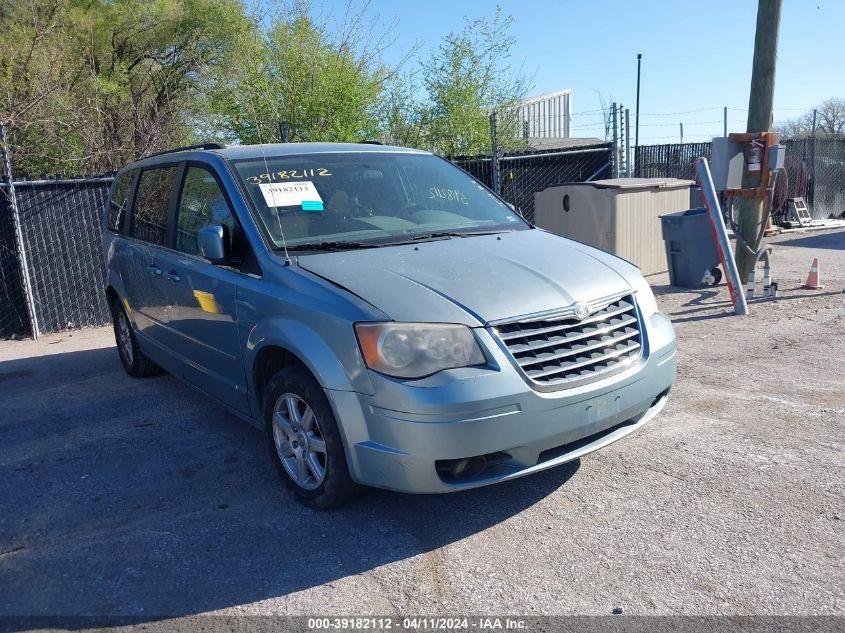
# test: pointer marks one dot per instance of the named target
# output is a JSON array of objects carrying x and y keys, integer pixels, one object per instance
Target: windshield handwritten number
[
  {"x": 453, "y": 195},
  {"x": 289, "y": 174}
]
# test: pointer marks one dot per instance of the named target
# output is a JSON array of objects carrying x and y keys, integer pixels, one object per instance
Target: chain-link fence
[
  {"x": 669, "y": 161},
  {"x": 51, "y": 262},
  {"x": 814, "y": 169},
  {"x": 520, "y": 176},
  {"x": 14, "y": 319}
]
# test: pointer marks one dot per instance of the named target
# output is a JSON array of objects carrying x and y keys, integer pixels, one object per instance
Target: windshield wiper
[
  {"x": 438, "y": 234},
  {"x": 342, "y": 245},
  {"x": 333, "y": 246}
]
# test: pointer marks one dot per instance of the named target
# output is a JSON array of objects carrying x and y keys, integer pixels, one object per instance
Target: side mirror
[{"x": 212, "y": 243}]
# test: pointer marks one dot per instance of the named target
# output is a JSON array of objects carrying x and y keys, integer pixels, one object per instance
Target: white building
[{"x": 547, "y": 115}]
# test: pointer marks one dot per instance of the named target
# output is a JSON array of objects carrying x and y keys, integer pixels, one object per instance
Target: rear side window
[
  {"x": 202, "y": 203},
  {"x": 149, "y": 220},
  {"x": 118, "y": 201}
]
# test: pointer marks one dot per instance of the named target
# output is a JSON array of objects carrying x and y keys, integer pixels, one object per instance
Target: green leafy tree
[
  {"x": 326, "y": 84},
  {"x": 466, "y": 78},
  {"x": 402, "y": 118},
  {"x": 93, "y": 84},
  {"x": 37, "y": 73},
  {"x": 89, "y": 85}
]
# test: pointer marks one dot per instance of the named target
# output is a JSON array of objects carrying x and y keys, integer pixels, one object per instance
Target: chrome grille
[{"x": 562, "y": 349}]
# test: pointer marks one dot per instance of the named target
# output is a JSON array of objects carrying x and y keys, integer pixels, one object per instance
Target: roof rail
[
  {"x": 186, "y": 149},
  {"x": 371, "y": 143}
]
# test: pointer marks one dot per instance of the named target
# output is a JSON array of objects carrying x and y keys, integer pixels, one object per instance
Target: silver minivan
[{"x": 385, "y": 318}]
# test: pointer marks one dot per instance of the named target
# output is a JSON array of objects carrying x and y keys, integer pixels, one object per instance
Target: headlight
[
  {"x": 644, "y": 297},
  {"x": 414, "y": 350}
]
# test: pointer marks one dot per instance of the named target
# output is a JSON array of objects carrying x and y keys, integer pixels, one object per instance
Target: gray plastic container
[{"x": 690, "y": 249}]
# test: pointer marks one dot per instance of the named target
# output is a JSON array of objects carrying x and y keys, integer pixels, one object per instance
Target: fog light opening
[{"x": 468, "y": 467}]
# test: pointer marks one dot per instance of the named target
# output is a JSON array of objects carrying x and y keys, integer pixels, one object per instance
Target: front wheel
[{"x": 304, "y": 440}]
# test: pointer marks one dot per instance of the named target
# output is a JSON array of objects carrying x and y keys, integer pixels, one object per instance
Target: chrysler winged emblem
[{"x": 581, "y": 311}]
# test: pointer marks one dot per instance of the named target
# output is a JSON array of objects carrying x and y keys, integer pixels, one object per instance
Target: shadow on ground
[
  {"x": 705, "y": 304},
  {"x": 145, "y": 499},
  {"x": 834, "y": 241}
]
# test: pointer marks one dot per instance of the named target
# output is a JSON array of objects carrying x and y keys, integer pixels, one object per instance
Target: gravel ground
[{"x": 143, "y": 498}]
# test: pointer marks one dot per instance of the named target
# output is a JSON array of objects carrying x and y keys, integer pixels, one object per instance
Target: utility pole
[
  {"x": 725, "y": 122},
  {"x": 682, "y": 133},
  {"x": 750, "y": 214},
  {"x": 637, "y": 111}
]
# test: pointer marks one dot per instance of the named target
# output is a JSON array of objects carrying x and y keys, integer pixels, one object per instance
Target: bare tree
[
  {"x": 831, "y": 117},
  {"x": 605, "y": 103},
  {"x": 830, "y": 121}
]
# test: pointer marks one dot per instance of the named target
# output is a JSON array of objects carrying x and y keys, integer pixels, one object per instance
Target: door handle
[
  {"x": 173, "y": 276},
  {"x": 153, "y": 269}
]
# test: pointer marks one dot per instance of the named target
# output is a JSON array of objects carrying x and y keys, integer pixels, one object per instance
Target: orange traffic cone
[{"x": 812, "y": 282}]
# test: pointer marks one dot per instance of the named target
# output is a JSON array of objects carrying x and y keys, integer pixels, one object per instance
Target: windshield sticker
[
  {"x": 292, "y": 194},
  {"x": 275, "y": 176},
  {"x": 438, "y": 193}
]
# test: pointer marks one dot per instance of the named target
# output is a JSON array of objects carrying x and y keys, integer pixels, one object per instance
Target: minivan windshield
[{"x": 366, "y": 199}]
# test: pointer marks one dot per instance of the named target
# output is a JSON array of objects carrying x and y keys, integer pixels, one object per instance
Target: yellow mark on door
[
  {"x": 127, "y": 306},
  {"x": 207, "y": 302}
]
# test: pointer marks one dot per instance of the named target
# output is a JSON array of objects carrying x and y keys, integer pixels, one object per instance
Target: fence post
[
  {"x": 623, "y": 166},
  {"x": 812, "y": 187},
  {"x": 628, "y": 170},
  {"x": 494, "y": 163},
  {"x": 615, "y": 168},
  {"x": 13, "y": 210}
]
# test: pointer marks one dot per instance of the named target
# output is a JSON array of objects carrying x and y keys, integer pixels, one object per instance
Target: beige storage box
[{"x": 620, "y": 215}]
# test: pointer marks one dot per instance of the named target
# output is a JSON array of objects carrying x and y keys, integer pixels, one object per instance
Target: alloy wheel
[
  {"x": 124, "y": 337},
  {"x": 299, "y": 441}
]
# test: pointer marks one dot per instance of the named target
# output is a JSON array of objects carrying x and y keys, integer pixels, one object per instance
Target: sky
[{"x": 696, "y": 55}]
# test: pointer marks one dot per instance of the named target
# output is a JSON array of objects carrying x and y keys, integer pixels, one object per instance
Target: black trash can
[{"x": 690, "y": 249}]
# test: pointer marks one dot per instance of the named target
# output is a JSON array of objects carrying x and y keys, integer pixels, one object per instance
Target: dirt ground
[{"x": 143, "y": 498}]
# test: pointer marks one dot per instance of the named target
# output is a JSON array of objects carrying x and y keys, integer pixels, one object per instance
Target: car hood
[{"x": 475, "y": 280}]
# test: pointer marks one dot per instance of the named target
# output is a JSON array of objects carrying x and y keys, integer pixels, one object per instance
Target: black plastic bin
[{"x": 690, "y": 249}]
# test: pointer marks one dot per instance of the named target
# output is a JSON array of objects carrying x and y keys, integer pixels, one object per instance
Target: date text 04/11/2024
[{"x": 416, "y": 623}]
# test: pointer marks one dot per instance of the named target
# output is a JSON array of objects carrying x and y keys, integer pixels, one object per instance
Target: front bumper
[{"x": 394, "y": 438}]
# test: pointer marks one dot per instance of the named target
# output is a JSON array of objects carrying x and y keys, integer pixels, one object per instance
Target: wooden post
[{"x": 750, "y": 214}]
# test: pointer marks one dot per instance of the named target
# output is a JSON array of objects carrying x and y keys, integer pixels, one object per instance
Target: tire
[
  {"x": 717, "y": 274},
  {"x": 304, "y": 441},
  {"x": 134, "y": 361}
]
